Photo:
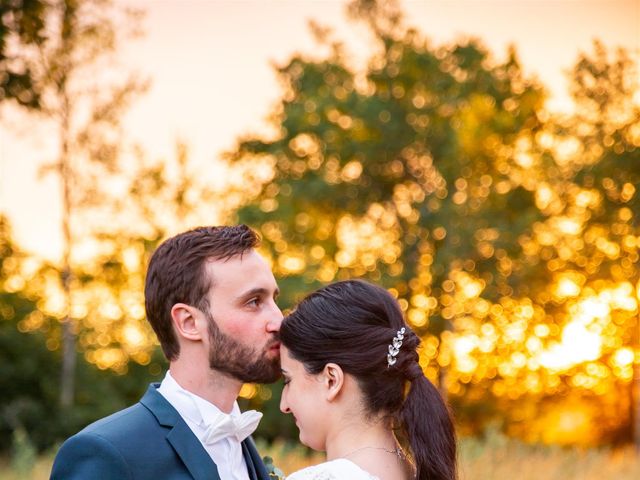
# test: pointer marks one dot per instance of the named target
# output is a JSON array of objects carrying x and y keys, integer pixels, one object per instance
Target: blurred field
[
  {"x": 499, "y": 458},
  {"x": 495, "y": 458}
]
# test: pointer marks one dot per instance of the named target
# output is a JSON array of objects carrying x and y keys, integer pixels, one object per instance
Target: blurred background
[{"x": 480, "y": 159}]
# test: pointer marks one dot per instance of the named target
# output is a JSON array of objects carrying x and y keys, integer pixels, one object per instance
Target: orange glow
[
  {"x": 623, "y": 357},
  {"x": 133, "y": 337},
  {"x": 291, "y": 263},
  {"x": 569, "y": 285},
  {"x": 571, "y": 329},
  {"x": 368, "y": 239},
  {"x": 248, "y": 391},
  {"x": 578, "y": 345}
]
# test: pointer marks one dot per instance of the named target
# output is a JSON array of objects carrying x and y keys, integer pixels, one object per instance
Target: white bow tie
[{"x": 223, "y": 426}]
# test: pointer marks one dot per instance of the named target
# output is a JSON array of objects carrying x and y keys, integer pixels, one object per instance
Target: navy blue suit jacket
[{"x": 148, "y": 440}]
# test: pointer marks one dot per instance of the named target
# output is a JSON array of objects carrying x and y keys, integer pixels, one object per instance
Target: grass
[
  {"x": 496, "y": 457},
  {"x": 39, "y": 470},
  {"x": 502, "y": 458}
]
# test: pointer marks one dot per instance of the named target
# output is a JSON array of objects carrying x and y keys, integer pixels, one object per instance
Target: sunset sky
[{"x": 210, "y": 64}]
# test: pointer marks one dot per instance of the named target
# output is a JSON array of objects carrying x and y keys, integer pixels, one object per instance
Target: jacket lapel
[
  {"x": 180, "y": 436},
  {"x": 192, "y": 453},
  {"x": 255, "y": 466}
]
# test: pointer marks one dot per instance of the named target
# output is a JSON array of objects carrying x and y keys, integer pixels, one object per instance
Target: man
[{"x": 210, "y": 298}]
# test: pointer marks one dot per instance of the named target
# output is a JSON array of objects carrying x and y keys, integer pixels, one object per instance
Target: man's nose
[{"x": 273, "y": 325}]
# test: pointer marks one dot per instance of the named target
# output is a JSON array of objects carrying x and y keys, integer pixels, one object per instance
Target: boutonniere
[{"x": 274, "y": 472}]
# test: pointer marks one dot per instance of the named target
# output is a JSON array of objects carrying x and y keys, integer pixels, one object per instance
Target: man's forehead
[
  {"x": 248, "y": 259},
  {"x": 222, "y": 270}
]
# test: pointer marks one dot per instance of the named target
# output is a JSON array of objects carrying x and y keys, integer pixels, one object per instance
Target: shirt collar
[{"x": 190, "y": 405}]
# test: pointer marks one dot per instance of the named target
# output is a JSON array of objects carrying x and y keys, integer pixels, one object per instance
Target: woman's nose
[{"x": 284, "y": 407}]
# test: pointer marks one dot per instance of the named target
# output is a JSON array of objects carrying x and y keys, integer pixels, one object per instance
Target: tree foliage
[
  {"x": 407, "y": 174},
  {"x": 31, "y": 360},
  {"x": 85, "y": 109},
  {"x": 438, "y": 173},
  {"x": 22, "y": 28}
]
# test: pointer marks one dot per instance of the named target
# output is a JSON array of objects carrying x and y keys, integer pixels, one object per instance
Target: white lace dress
[{"x": 339, "y": 469}]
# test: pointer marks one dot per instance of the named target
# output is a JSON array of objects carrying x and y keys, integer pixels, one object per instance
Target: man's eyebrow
[{"x": 258, "y": 291}]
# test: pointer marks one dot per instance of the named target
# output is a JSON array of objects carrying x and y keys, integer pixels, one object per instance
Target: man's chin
[
  {"x": 263, "y": 380},
  {"x": 275, "y": 373},
  {"x": 273, "y": 379},
  {"x": 268, "y": 372}
]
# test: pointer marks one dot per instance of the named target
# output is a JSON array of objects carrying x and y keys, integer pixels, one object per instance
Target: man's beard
[{"x": 240, "y": 361}]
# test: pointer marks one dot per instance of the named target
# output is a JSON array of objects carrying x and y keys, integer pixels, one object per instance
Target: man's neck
[{"x": 221, "y": 390}]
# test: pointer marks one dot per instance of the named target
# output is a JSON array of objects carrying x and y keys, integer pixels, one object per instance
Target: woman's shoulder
[{"x": 339, "y": 469}]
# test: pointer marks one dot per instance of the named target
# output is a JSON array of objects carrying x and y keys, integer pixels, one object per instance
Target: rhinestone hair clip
[{"x": 394, "y": 347}]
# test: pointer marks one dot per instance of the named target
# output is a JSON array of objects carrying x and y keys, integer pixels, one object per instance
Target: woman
[{"x": 356, "y": 390}]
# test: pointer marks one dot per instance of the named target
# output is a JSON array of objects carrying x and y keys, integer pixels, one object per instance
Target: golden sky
[{"x": 212, "y": 80}]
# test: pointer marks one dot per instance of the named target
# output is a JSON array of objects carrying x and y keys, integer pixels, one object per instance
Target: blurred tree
[
  {"x": 157, "y": 199},
  {"x": 575, "y": 334},
  {"x": 593, "y": 230},
  {"x": 85, "y": 107},
  {"x": 22, "y": 29},
  {"x": 609, "y": 117},
  {"x": 114, "y": 214},
  {"x": 413, "y": 174},
  {"x": 30, "y": 382},
  {"x": 508, "y": 234},
  {"x": 23, "y": 378}
]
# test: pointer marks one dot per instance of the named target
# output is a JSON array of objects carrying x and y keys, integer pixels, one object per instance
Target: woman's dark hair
[{"x": 352, "y": 323}]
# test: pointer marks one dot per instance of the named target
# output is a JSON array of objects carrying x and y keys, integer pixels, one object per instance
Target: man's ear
[
  {"x": 185, "y": 321},
  {"x": 333, "y": 380}
]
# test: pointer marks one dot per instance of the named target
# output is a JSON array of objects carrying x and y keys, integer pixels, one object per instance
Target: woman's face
[{"x": 304, "y": 396}]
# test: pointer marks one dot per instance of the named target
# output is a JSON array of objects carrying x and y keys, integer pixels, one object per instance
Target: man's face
[{"x": 244, "y": 319}]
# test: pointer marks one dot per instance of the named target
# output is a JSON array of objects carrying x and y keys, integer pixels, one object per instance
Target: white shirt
[{"x": 227, "y": 452}]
